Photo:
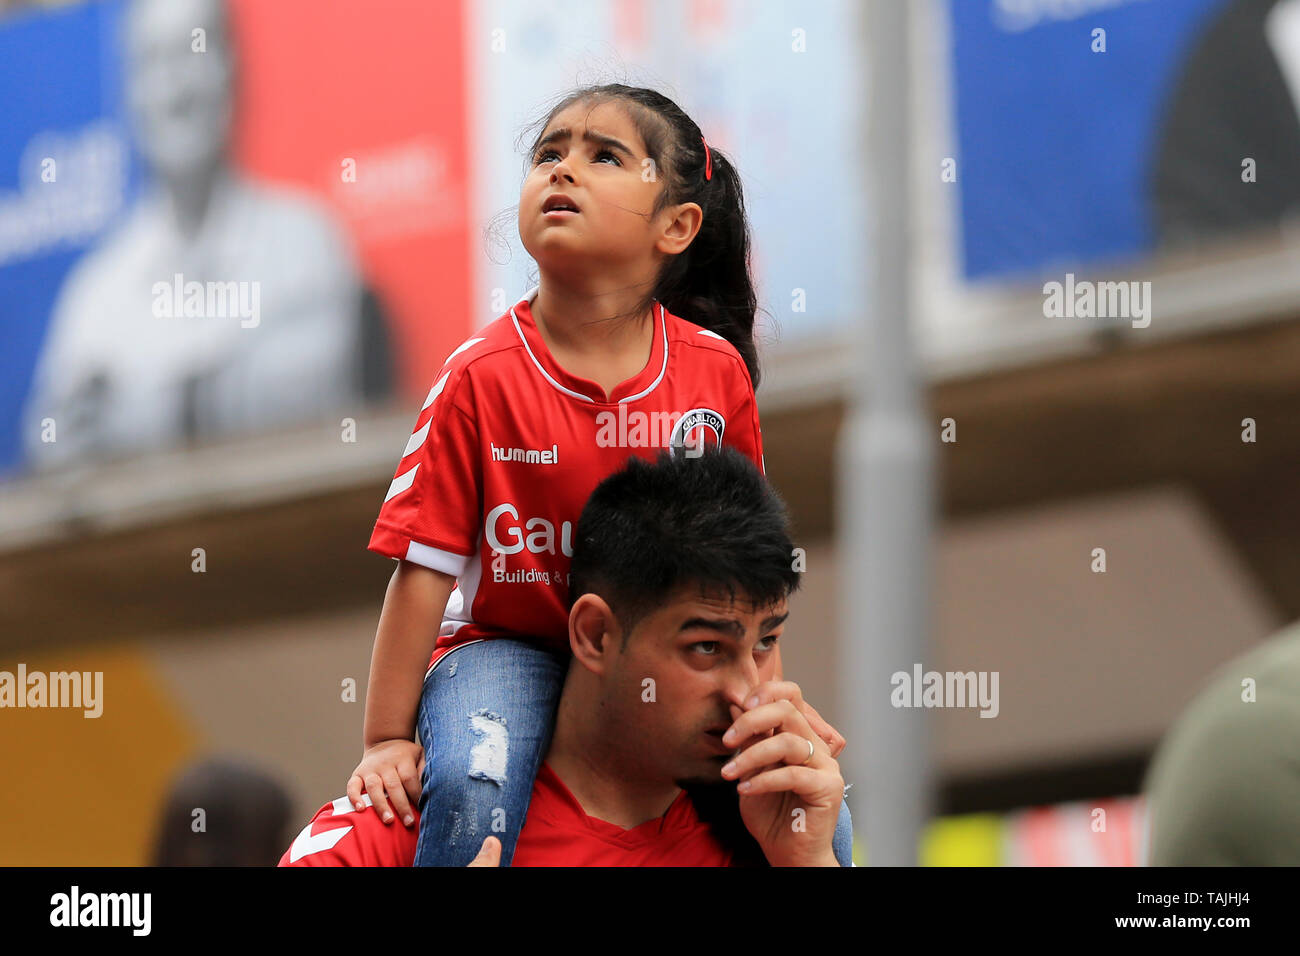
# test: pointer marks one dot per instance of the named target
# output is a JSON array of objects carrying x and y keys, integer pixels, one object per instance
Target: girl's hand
[{"x": 390, "y": 770}]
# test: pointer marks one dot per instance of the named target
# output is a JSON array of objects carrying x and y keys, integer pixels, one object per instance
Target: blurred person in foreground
[
  {"x": 1224, "y": 786},
  {"x": 674, "y": 743},
  {"x": 244, "y": 820}
]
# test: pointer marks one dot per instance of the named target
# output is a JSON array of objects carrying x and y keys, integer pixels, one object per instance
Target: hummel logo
[{"x": 529, "y": 456}]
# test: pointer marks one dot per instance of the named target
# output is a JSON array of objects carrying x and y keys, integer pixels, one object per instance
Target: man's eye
[
  {"x": 707, "y": 648},
  {"x": 769, "y": 642}
]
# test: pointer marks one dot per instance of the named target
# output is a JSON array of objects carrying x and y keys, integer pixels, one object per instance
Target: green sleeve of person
[{"x": 1224, "y": 786}]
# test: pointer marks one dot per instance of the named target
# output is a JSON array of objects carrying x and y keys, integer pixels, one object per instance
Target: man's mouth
[{"x": 714, "y": 740}]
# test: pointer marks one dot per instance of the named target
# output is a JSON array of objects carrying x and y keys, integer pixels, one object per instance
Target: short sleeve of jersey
[
  {"x": 432, "y": 511},
  {"x": 338, "y": 835}
]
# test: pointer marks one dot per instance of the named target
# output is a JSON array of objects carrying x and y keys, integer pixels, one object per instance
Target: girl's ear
[
  {"x": 681, "y": 229},
  {"x": 593, "y": 631}
]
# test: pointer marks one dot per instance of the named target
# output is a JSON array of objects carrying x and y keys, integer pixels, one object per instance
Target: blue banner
[
  {"x": 66, "y": 175},
  {"x": 1061, "y": 108}
]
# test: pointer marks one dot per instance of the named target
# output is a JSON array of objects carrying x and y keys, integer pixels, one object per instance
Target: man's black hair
[{"x": 710, "y": 521}]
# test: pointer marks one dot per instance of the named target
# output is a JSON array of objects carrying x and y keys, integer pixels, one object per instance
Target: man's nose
[{"x": 741, "y": 681}]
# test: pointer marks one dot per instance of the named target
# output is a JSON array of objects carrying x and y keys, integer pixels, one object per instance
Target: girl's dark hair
[{"x": 709, "y": 283}]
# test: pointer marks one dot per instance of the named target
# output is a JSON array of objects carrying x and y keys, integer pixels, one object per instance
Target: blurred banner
[
  {"x": 280, "y": 216},
  {"x": 64, "y": 123},
  {"x": 217, "y": 218},
  {"x": 1083, "y": 126},
  {"x": 1108, "y": 832}
]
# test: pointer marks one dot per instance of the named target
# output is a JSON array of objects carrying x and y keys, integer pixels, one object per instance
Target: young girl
[{"x": 639, "y": 336}]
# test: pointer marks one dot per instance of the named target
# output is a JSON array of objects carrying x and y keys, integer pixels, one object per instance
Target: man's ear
[{"x": 593, "y": 629}]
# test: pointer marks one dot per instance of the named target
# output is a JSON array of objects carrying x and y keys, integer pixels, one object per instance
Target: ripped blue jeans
[
  {"x": 485, "y": 720},
  {"x": 486, "y": 717}
]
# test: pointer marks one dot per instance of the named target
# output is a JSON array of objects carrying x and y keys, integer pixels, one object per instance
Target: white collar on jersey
[{"x": 663, "y": 324}]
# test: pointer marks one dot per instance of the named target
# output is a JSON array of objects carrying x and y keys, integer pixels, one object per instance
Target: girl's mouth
[{"x": 558, "y": 203}]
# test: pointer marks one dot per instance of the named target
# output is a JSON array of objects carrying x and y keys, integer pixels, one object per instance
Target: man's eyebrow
[
  {"x": 592, "y": 137},
  {"x": 731, "y": 627}
]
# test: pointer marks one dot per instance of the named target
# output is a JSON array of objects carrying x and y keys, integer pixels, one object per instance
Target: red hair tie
[{"x": 708, "y": 160}]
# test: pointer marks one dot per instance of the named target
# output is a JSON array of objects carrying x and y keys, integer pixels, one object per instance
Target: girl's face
[{"x": 594, "y": 156}]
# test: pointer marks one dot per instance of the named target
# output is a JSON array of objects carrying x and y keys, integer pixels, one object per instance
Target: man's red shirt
[{"x": 556, "y": 832}]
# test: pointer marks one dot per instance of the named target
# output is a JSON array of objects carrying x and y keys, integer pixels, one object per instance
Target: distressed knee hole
[{"x": 488, "y": 757}]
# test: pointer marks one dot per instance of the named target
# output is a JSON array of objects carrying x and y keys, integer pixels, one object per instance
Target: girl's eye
[{"x": 541, "y": 157}]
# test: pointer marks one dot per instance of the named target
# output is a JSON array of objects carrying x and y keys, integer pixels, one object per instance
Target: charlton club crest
[{"x": 696, "y": 429}]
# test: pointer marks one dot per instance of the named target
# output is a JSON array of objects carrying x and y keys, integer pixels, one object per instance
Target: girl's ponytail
[{"x": 710, "y": 282}]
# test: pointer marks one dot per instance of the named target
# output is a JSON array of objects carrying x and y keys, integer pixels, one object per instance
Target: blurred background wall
[{"x": 363, "y": 167}]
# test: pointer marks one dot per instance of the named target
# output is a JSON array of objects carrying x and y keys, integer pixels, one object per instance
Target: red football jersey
[
  {"x": 508, "y": 446},
  {"x": 556, "y": 832}
]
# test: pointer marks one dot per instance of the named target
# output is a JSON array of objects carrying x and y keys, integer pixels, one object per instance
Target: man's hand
[
  {"x": 489, "y": 854},
  {"x": 779, "y": 689},
  {"x": 390, "y": 770},
  {"x": 790, "y": 794}
]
